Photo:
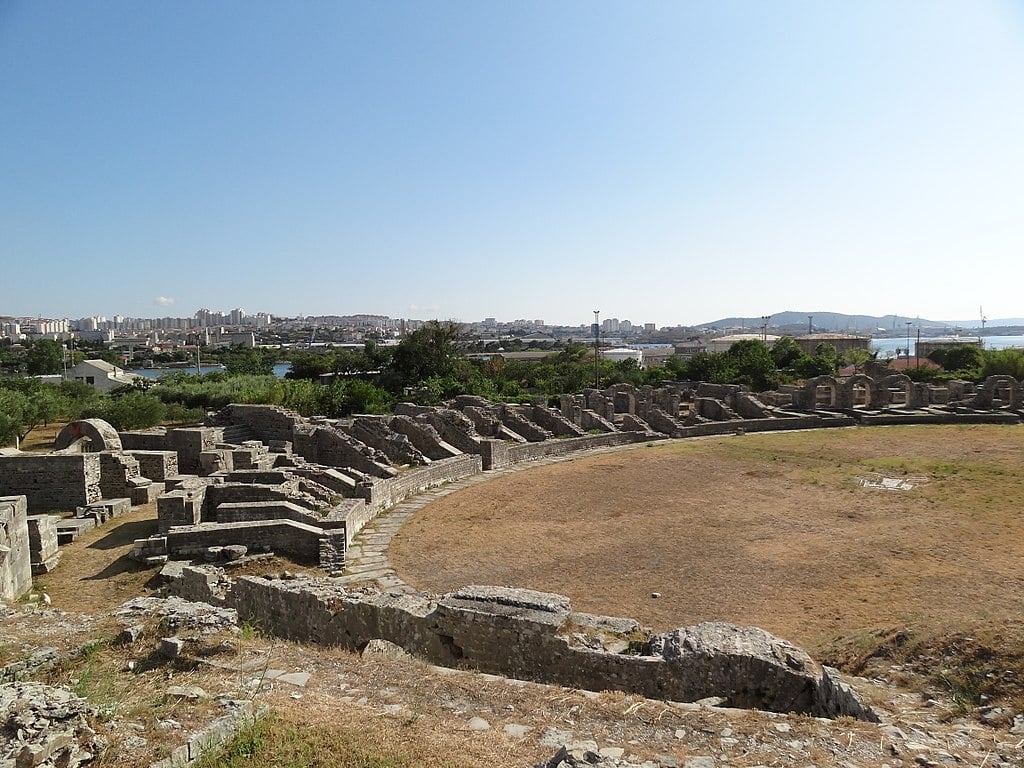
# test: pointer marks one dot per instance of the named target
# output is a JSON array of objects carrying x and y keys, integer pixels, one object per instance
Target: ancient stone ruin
[
  {"x": 536, "y": 636},
  {"x": 257, "y": 479}
]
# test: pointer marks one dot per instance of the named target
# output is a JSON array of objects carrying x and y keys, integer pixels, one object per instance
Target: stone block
[
  {"x": 146, "y": 494},
  {"x": 15, "y": 548},
  {"x": 42, "y": 538},
  {"x": 69, "y": 529}
]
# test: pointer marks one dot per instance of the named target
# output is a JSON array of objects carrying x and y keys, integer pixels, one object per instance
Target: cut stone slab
[
  {"x": 187, "y": 692},
  {"x": 298, "y": 679}
]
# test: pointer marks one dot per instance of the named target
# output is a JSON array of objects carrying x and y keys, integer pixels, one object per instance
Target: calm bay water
[
  {"x": 888, "y": 347},
  {"x": 280, "y": 369}
]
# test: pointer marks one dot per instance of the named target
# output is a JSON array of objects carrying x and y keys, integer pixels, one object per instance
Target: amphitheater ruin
[{"x": 258, "y": 479}]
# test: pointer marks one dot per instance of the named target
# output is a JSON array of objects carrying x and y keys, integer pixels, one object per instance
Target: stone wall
[
  {"x": 554, "y": 422},
  {"x": 381, "y": 494},
  {"x": 189, "y": 443},
  {"x": 269, "y": 423},
  {"x": 424, "y": 437},
  {"x": 52, "y": 481},
  {"x": 765, "y": 425},
  {"x": 15, "y": 556},
  {"x": 503, "y": 455},
  {"x": 235, "y": 493},
  {"x": 183, "y": 505},
  {"x": 536, "y": 636},
  {"x": 454, "y": 427},
  {"x": 156, "y": 465},
  {"x": 349, "y": 516},
  {"x": 144, "y": 440},
  {"x": 328, "y": 445},
  {"x": 117, "y": 470},
  {"x": 297, "y": 540},
  {"x": 255, "y": 511}
]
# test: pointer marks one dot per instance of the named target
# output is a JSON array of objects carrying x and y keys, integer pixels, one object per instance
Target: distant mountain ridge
[{"x": 839, "y": 322}]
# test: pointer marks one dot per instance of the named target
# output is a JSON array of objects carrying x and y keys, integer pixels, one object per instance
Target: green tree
[
  {"x": 427, "y": 352},
  {"x": 856, "y": 356},
  {"x": 713, "y": 367},
  {"x": 44, "y": 357},
  {"x": 310, "y": 365},
  {"x": 963, "y": 357},
  {"x": 753, "y": 364},
  {"x": 786, "y": 352},
  {"x": 26, "y": 404},
  {"x": 13, "y": 405},
  {"x": 257, "y": 362},
  {"x": 823, "y": 362},
  {"x": 627, "y": 372},
  {"x": 131, "y": 409},
  {"x": 1003, "y": 362}
]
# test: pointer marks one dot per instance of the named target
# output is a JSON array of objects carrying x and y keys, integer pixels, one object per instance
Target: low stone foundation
[{"x": 536, "y": 636}]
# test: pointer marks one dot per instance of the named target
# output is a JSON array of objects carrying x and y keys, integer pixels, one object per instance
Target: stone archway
[
  {"x": 887, "y": 391},
  {"x": 88, "y": 436},
  {"x": 624, "y": 398},
  {"x": 1003, "y": 388},
  {"x": 821, "y": 392},
  {"x": 858, "y": 391}
]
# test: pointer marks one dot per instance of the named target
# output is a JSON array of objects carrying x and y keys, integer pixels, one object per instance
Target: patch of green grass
[
  {"x": 272, "y": 743},
  {"x": 95, "y": 679},
  {"x": 249, "y": 629}
]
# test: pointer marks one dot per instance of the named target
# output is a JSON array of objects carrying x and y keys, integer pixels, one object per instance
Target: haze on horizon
[{"x": 668, "y": 162}]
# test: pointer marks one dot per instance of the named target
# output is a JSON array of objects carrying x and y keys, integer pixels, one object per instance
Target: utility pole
[
  {"x": 917, "y": 348},
  {"x": 597, "y": 358},
  {"x": 909, "y": 323}
]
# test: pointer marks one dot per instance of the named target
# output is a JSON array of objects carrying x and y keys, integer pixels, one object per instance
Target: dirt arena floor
[{"x": 772, "y": 530}]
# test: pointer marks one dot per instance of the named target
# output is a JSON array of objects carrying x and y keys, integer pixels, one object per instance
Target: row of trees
[
  {"x": 428, "y": 366},
  {"x": 26, "y": 403}
]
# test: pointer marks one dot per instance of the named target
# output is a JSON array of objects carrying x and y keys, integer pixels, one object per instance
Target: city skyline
[{"x": 679, "y": 162}]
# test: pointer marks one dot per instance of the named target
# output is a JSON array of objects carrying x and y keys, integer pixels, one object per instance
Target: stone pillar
[{"x": 42, "y": 542}]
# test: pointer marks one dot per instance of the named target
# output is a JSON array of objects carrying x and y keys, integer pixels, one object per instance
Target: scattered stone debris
[
  {"x": 46, "y": 727},
  {"x": 586, "y": 753},
  {"x": 212, "y": 737},
  {"x": 171, "y": 647},
  {"x": 39, "y": 660},
  {"x": 129, "y": 635},
  {"x": 186, "y": 692},
  {"x": 384, "y": 649},
  {"x": 180, "y": 615},
  {"x": 892, "y": 483}
]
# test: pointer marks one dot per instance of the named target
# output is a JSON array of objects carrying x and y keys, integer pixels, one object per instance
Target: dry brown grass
[
  {"x": 41, "y": 438},
  {"x": 95, "y": 571},
  {"x": 768, "y": 530}
]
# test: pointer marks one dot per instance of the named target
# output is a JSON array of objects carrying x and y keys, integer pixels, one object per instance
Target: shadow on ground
[{"x": 125, "y": 534}]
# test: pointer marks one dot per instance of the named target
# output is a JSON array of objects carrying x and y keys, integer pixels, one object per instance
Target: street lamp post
[
  {"x": 597, "y": 360},
  {"x": 909, "y": 323}
]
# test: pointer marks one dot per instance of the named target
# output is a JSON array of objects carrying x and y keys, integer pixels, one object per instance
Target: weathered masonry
[{"x": 536, "y": 636}]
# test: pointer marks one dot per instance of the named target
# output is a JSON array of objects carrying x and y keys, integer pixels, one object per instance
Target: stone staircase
[{"x": 236, "y": 434}]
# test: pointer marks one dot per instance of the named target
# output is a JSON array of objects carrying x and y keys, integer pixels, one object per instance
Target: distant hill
[{"x": 797, "y": 322}]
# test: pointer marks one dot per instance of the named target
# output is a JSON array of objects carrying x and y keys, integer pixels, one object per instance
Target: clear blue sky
[{"x": 668, "y": 162}]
